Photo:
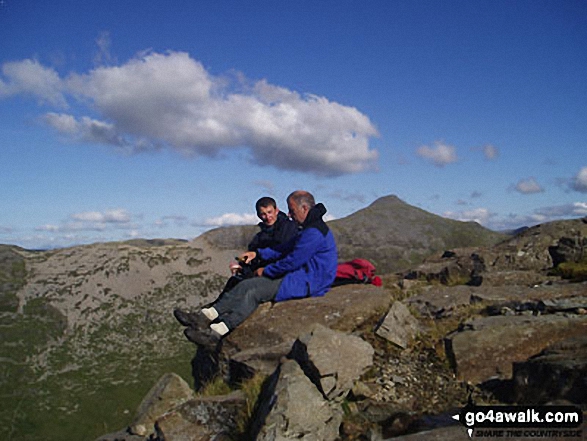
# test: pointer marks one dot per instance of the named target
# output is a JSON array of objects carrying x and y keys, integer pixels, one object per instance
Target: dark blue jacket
[
  {"x": 307, "y": 263},
  {"x": 282, "y": 231}
]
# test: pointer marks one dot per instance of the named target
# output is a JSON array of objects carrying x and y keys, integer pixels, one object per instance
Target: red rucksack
[{"x": 356, "y": 271}]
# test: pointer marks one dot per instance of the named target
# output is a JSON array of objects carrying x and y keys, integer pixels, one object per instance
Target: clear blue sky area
[{"x": 125, "y": 119}]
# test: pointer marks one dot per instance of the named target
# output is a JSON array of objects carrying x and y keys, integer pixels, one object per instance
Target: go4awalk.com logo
[{"x": 521, "y": 421}]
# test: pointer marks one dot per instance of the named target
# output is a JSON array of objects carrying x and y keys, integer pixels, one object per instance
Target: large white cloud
[{"x": 171, "y": 100}]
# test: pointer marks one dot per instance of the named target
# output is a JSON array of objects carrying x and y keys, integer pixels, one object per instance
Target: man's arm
[{"x": 304, "y": 249}]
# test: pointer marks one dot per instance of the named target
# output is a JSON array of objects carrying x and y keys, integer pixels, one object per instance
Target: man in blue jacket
[{"x": 303, "y": 267}]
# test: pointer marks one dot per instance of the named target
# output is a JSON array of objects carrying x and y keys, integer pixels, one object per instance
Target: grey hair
[{"x": 301, "y": 198}]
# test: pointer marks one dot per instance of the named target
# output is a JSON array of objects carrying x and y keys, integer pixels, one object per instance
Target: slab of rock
[
  {"x": 558, "y": 372},
  {"x": 399, "y": 326},
  {"x": 202, "y": 418},
  {"x": 169, "y": 392},
  {"x": 486, "y": 347},
  {"x": 258, "y": 344},
  {"x": 441, "y": 301},
  {"x": 292, "y": 408},
  {"x": 332, "y": 360}
]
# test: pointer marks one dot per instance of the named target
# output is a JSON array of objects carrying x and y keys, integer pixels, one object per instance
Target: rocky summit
[{"x": 91, "y": 351}]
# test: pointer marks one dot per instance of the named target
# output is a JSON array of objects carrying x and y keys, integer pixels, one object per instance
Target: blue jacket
[{"x": 307, "y": 263}]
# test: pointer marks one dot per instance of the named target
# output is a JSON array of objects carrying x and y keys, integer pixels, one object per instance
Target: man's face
[
  {"x": 268, "y": 214},
  {"x": 297, "y": 212}
]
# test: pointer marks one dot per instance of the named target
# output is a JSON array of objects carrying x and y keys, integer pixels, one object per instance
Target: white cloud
[
  {"x": 48, "y": 227},
  {"x": 479, "y": 215},
  {"x": 108, "y": 217},
  {"x": 579, "y": 182},
  {"x": 440, "y": 155},
  {"x": 172, "y": 100},
  {"x": 31, "y": 78},
  {"x": 490, "y": 151},
  {"x": 528, "y": 186},
  {"x": 229, "y": 219}
]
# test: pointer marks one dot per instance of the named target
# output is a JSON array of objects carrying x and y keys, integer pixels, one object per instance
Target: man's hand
[
  {"x": 248, "y": 256},
  {"x": 259, "y": 271}
]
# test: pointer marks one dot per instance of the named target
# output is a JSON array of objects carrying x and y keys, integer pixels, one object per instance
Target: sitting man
[
  {"x": 303, "y": 267},
  {"x": 276, "y": 229}
]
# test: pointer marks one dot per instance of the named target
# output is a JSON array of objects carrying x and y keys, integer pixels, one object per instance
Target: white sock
[
  {"x": 210, "y": 313},
  {"x": 219, "y": 328}
]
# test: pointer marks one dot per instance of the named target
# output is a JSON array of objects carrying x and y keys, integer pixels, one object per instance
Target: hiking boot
[
  {"x": 205, "y": 338},
  {"x": 192, "y": 319}
]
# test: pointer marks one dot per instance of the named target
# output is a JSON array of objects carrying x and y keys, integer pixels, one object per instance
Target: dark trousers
[{"x": 236, "y": 305}]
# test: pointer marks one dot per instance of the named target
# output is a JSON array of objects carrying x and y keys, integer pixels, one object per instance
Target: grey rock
[
  {"x": 202, "y": 418},
  {"x": 558, "y": 372},
  {"x": 486, "y": 347},
  {"x": 332, "y": 360},
  {"x": 292, "y": 408},
  {"x": 169, "y": 392},
  {"x": 399, "y": 326},
  {"x": 440, "y": 301},
  {"x": 259, "y": 343}
]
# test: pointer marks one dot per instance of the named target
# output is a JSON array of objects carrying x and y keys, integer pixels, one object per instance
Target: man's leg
[{"x": 240, "y": 302}]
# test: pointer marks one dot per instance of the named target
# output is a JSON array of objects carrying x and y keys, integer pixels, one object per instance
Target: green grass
[{"x": 574, "y": 271}]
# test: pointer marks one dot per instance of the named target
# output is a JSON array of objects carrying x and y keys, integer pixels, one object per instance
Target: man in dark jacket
[
  {"x": 303, "y": 267},
  {"x": 276, "y": 228}
]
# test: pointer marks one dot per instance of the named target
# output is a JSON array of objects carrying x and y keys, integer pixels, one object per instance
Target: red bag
[{"x": 356, "y": 271}]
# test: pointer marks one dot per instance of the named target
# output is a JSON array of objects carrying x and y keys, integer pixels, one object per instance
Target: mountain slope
[{"x": 395, "y": 235}]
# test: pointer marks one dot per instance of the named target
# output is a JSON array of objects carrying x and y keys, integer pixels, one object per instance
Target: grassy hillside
[{"x": 87, "y": 331}]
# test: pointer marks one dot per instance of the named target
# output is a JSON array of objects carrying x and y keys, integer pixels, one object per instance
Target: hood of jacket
[{"x": 314, "y": 219}]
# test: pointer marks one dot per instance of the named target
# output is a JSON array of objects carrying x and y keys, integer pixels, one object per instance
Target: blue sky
[{"x": 165, "y": 119}]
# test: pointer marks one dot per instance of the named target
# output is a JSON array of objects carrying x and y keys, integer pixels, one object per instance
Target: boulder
[
  {"x": 292, "y": 408},
  {"x": 332, "y": 360},
  {"x": 460, "y": 266},
  {"x": 202, "y": 418},
  {"x": 441, "y": 301},
  {"x": 485, "y": 348},
  {"x": 259, "y": 343},
  {"x": 558, "y": 372},
  {"x": 399, "y": 326},
  {"x": 169, "y": 392}
]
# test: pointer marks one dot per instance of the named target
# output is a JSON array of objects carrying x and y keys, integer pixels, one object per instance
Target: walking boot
[{"x": 192, "y": 319}]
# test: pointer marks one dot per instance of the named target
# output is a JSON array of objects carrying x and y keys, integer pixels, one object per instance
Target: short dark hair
[
  {"x": 265, "y": 201},
  {"x": 302, "y": 197}
]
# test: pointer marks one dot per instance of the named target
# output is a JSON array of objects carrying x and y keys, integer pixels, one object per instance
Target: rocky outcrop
[
  {"x": 558, "y": 372},
  {"x": 485, "y": 348},
  {"x": 293, "y": 408},
  {"x": 332, "y": 360},
  {"x": 169, "y": 392},
  {"x": 522, "y": 260},
  {"x": 262, "y": 340},
  {"x": 201, "y": 418}
]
